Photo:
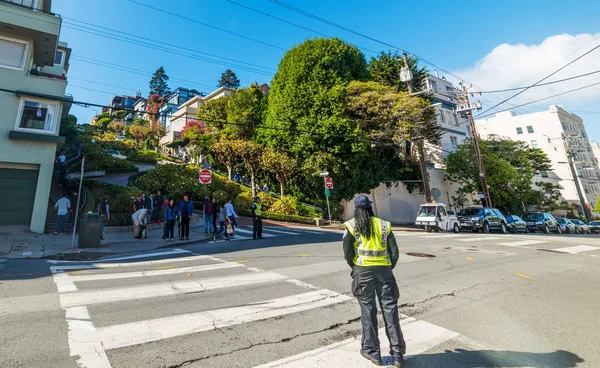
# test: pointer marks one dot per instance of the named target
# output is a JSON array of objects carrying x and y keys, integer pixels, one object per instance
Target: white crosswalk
[
  {"x": 245, "y": 233},
  {"x": 89, "y": 342}
]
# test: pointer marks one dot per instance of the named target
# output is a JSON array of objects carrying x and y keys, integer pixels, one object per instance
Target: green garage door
[{"x": 18, "y": 194}]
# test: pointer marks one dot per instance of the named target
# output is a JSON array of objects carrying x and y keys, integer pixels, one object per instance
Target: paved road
[
  {"x": 483, "y": 300},
  {"x": 121, "y": 179}
]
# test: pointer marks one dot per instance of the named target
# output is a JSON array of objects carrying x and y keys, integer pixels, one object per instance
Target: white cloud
[{"x": 509, "y": 66}]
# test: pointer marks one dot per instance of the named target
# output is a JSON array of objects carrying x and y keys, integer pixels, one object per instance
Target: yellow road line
[
  {"x": 438, "y": 246},
  {"x": 303, "y": 255},
  {"x": 241, "y": 261},
  {"x": 463, "y": 250},
  {"x": 469, "y": 259},
  {"x": 524, "y": 276},
  {"x": 164, "y": 267}
]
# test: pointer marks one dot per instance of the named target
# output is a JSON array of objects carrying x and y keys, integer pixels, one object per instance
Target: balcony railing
[{"x": 35, "y": 5}]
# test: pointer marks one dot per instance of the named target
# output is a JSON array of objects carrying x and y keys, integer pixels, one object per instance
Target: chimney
[{"x": 435, "y": 72}]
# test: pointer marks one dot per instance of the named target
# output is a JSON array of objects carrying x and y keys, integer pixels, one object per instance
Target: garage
[{"x": 18, "y": 194}]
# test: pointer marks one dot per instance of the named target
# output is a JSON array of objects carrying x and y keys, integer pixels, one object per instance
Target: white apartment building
[
  {"x": 544, "y": 130},
  {"x": 189, "y": 112},
  {"x": 596, "y": 151}
]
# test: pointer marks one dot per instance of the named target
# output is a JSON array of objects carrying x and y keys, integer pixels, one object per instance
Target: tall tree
[
  {"x": 385, "y": 69},
  {"x": 279, "y": 164},
  {"x": 139, "y": 133},
  {"x": 214, "y": 114},
  {"x": 244, "y": 112},
  {"x": 69, "y": 129},
  {"x": 229, "y": 80},
  {"x": 250, "y": 153},
  {"x": 158, "y": 83},
  {"x": 116, "y": 127},
  {"x": 224, "y": 152}
]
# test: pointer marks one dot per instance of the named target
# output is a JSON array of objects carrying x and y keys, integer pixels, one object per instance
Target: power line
[
  {"x": 541, "y": 80},
  {"x": 291, "y": 23},
  {"x": 206, "y": 25}
]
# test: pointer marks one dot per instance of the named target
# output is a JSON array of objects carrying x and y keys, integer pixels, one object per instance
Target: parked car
[
  {"x": 485, "y": 219},
  {"x": 566, "y": 225},
  {"x": 541, "y": 221},
  {"x": 115, "y": 154},
  {"x": 516, "y": 224},
  {"x": 581, "y": 227},
  {"x": 436, "y": 217},
  {"x": 594, "y": 227},
  {"x": 120, "y": 138}
]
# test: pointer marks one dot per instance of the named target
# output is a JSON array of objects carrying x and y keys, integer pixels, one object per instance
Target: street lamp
[{"x": 324, "y": 175}]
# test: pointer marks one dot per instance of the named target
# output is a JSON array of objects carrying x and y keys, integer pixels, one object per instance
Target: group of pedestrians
[{"x": 225, "y": 215}]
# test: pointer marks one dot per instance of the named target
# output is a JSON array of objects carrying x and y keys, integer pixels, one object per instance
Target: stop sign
[
  {"x": 328, "y": 183},
  {"x": 205, "y": 176}
]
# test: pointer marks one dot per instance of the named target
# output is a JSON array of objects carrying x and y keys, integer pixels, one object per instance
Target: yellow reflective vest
[
  {"x": 257, "y": 209},
  {"x": 371, "y": 251}
]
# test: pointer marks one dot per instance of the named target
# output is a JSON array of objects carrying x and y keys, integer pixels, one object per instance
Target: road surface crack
[
  {"x": 453, "y": 293},
  {"x": 251, "y": 345}
]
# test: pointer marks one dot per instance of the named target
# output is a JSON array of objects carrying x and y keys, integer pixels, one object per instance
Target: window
[
  {"x": 562, "y": 123},
  {"x": 58, "y": 57},
  {"x": 455, "y": 119},
  {"x": 544, "y": 173},
  {"x": 529, "y": 129},
  {"x": 442, "y": 211},
  {"x": 534, "y": 144},
  {"x": 13, "y": 53},
  {"x": 453, "y": 141},
  {"x": 37, "y": 115},
  {"x": 442, "y": 117},
  {"x": 519, "y": 130},
  {"x": 433, "y": 86}
]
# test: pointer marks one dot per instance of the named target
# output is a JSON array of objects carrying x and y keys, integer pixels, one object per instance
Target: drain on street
[{"x": 425, "y": 255}]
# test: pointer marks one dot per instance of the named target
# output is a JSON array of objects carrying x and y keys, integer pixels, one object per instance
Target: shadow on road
[{"x": 494, "y": 359}]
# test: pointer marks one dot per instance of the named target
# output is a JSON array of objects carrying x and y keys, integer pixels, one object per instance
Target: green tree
[
  {"x": 244, "y": 112},
  {"x": 139, "y": 133},
  {"x": 545, "y": 196},
  {"x": 597, "y": 208},
  {"x": 223, "y": 150},
  {"x": 103, "y": 123},
  {"x": 117, "y": 127},
  {"x": 509, "y": 166},
  {"x": 385, "y": 69},
  {"x": 214, "y": 113},
  {"x": 250, "y": 154},
  {"x": 158, "y": 83},
  {"x": 69, "y": 129},
  {"x": 140, "y": 122},
  {"x": 278, "y": 164},
  {"x": 229, "y": 80},
  {"x": 155, "y": 132}
]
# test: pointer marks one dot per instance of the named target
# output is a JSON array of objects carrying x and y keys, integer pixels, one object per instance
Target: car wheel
[
  {"x": 456, "y": 228},
  {"x": 503, "y": 229},
  {"x": 513, "y": 229},
  {"x": 546, "y": 229},
  {"x": 428, "y": 229},
  {"x": 527, "y": 230},
  {"x": 486, "y": 228},
  {"x": 475, "y": 230},
  {"x": 558, "y": 230},
  {"x": 567, "y": 230}
]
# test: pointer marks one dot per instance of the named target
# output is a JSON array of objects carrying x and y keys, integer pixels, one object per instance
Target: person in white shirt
[
  {"x": 62, "y": 207},
  {"x": 138, "y": 219},
  {"x": 230, "y": 212}
]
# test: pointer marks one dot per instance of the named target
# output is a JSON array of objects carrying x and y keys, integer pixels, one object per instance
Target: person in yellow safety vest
[
  {"x": 370, "y": 249},
  {"x": 256, "y": 219}
]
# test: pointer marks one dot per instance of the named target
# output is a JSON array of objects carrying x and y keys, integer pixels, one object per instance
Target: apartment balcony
[{"x": 32, "y": 19}]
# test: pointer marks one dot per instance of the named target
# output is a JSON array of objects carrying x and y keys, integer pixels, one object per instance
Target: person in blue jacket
[
  {"x": 171, "y": 213},
  {"x": 186, "y": 210}
]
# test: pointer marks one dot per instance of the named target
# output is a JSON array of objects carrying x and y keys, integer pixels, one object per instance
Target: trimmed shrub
[
  {"x": 120, "y": 198},
  {"x": 143, "y": 156},
  {"x": 286, "y": 206}
]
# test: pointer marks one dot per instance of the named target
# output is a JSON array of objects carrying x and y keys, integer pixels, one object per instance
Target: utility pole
[
  {"x": 467, "y": 109},
  {"x": 406, "y": 76},
  {"x": 575, "y": 177}
]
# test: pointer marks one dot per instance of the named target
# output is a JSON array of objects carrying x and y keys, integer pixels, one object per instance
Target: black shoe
[
  {"x": 375, "y": 357},
  {"x": 398, "y": 359},
  {"x": 101, "y": 238}
]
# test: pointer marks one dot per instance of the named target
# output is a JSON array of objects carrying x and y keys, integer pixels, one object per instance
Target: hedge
[{"x": 279, "y": 217}]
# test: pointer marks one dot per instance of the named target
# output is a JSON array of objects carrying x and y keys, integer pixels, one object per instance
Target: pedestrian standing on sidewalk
[
  {"x": 156, "y": 210},
  {"x": 104, "y": 211},
  {"x": 62, "y": 207},
  {"x": 371, "y": 251},
  {"x": 164, "y": 207},
  {"x": 231, "y": 215},
  {"x": 171, "y": 214},
  {"x": 223, "y": 221},
  {"x": 149, "y": 207},
  {"x": 256, "y": 219},
  {"x": 209, "y": 212},
  {"x": 138, "y": 204},
  {"x": 216, "y": 207},
  {"x": 186, "y": 209}
]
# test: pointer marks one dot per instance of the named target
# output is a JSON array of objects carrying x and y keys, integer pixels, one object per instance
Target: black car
[
  {"x": 594, "y": 227},
  {"x": 516, "y": 224},
  {"x": 485, "y": 219},
  {"x": 541, "y": 221}
]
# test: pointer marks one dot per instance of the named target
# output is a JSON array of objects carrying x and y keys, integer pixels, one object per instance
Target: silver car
[
  {"x": 566, "y": 225},
  {"x": 581, "y": 227}
]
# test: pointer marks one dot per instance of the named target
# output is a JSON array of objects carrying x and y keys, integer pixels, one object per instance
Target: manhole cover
[{"x": 425, "y": 255}]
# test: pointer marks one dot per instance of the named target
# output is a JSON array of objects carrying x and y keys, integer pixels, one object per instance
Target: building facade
[
  {"x": 33, "y": 70},
  {"x": 175, "y": 99},
  {"x": 545, "y": 130}
]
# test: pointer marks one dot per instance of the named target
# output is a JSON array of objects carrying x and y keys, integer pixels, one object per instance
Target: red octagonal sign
[
  {"x": 205, "y": 176},
  {"x": 328, "y": 183}
]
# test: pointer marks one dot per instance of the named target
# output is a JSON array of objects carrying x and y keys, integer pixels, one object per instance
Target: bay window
[{"x": 37, "y": 115}]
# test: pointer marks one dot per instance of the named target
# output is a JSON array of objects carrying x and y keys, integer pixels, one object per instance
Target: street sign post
[
  {"x": 326, "y": 192},
  {"x": 205, "y": 176},
  {"x": 328, "y": 183}
]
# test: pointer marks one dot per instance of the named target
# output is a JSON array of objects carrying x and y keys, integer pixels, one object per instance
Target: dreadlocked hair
[{"x": 362, "y": 217}]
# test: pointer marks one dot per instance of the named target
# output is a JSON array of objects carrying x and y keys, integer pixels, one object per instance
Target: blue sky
[{"x": 453, "y": 35}]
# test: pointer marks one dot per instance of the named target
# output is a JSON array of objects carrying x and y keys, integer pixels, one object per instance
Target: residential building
[
  {"x": 596, "y": 150},
  {"x": 188, "y": 112},
  {"x": 140, "y": 108},
  {"x": 545, "y": 130},
  {"x": 174, "y": 100},
  {"x": 33, "y": 70}
]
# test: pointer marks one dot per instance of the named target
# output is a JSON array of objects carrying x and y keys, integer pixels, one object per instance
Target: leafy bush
[
  {"x": 143, "y": 156},
  {"x": 120, "y": 198},
  {"x": 97, "y": 159},
  {"x": 279, "y": 217},
  {"x": 306, "y": 211},
  {"x": 286, "y": 206},
  {"x": 243, "y": 201}
]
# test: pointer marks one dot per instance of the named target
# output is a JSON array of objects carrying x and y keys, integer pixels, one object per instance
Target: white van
[{"x": 436, "y": 217}]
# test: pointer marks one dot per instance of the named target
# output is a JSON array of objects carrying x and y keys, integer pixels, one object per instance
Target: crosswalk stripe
[
  {"x": 436, "y": 236},
  {"x": 420, "y": 336},
  {"x": 127, "y": 264},
  {"x": 82, "y": 339},
  {"x": 272, "y": 230},
  {"x": 477, "y": 239},
  {"x": 522, "y": 243},
  {"x": 164, "y": 289},
  {"x": 576, "y": 249},
  {"x": 142, "y": 255},
  {"x": 246, "y": 231},
  {"x": 162, "y": 328},
  {"x": 171, "y": 271}
]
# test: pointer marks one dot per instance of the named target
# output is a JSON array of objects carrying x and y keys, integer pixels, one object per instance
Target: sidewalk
[{"x": 19, "y": 242}]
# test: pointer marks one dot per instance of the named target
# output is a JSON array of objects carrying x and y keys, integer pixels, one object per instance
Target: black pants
[
  {"x": 170, "y": 225},
  {"x": 257, "y": 227},
  {"x": 369, "y": 284},
  {"x": 185, "y": 227}
]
